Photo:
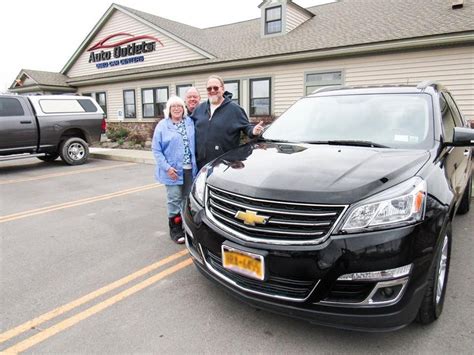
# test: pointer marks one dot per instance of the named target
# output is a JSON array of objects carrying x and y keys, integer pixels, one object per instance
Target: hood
[{"x": 313, "y": 173}]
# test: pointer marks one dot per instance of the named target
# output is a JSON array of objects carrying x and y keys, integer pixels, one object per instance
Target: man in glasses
[
  {"x": 218, "y": 123},
  {"x": 192, "y": 99}
]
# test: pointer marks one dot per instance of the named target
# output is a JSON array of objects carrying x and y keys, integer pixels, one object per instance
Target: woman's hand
[{"x": 172, "y": 173}]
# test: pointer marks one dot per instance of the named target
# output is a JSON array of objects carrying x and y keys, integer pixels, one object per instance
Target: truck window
[
  {"x": 87, "y": 105},
  {"x": 10, "y": 107},
  {"x": 61, "y": 106}
]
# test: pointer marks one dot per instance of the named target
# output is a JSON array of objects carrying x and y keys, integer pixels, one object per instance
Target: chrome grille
[{"x": 287, "y": 222}]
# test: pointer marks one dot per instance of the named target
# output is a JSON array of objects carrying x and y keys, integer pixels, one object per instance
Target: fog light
[{"x": 387, "y": 292}]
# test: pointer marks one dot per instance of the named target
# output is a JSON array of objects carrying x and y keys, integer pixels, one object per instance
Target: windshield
[{"x": 391, "y": 120}]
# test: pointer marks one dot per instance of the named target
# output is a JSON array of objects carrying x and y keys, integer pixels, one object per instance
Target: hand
[
  {"x": 172, "y": 173},
  {"x": 258, "y": 129}
]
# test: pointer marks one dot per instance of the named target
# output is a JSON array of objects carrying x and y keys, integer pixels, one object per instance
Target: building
[{"x": 132, "y": 61}]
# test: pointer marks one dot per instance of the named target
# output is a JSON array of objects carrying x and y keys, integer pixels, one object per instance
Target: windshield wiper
[
  {"x": 350, "y": 142},
  {"x": 273, "y": 140},
  {"x": 357, "y": 143}
]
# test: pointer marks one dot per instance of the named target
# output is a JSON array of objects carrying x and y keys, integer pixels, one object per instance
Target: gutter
[{"x": 418, "y": 43}]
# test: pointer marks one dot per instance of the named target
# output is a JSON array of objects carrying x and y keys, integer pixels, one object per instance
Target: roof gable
[{"x": 123, "y": 38}]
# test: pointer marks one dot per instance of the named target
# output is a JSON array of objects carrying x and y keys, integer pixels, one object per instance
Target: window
[
  {"x": 129, "y": 103},
  {"x": 101, "y": 99},
  {"x": 273, "y": 20},
  {"x": 66, "y": 106},
  {"x": 458, "y": 119},
  {"x": 233, "y": 86},
  {"x": 181, "y": 90},
  {"x": 260, "y": 97},
  {"x": 10, "y": 107},
  {"x": 314, "y": 81},
  {"x": 448, "y": 120},
  {"x": 154, "y": 101}
]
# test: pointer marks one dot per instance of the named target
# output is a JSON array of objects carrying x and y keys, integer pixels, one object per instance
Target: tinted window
[
  {"x": 87, "y": 105},
  {"x": 394, "y": 120},
  {"x": 448, "y": 120},
  {"x": 454, "y": 110},
  {"x": 10, "y": 107}
]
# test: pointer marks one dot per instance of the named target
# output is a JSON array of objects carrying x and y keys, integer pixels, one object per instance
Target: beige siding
[
  {"x": 294, "y": 17},
  {"x": 453, "y": 67},
  {"x": 172, "y": 51}
]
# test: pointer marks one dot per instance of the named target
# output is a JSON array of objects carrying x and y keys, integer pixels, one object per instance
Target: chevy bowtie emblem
[{"x": 251, "y": 218}]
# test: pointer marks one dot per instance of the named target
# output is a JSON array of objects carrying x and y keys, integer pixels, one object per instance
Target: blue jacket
[
  {"x": 168, "y": 149},
  {"x": 222, "y": 132}
]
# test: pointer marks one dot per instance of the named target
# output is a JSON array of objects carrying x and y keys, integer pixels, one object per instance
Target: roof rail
[
  {"x": 424, "y": 84},
  {"x": 327, "y": 88}
]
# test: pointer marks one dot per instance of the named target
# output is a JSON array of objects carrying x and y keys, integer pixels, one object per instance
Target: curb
[{"x": 122, "y": 158}]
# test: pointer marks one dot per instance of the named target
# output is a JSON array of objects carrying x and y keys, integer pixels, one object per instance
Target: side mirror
[{"x": 462, "y": 137}]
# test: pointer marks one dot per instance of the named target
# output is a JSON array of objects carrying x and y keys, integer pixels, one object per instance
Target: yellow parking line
[
  {"x": 69, "y": 322},
  {"x": 84, "y": 299},
  {"x": 41, "y": 177},
  {"x": 24, "y": 214}
]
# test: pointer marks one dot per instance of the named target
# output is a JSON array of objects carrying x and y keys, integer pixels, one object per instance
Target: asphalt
[{"x": 130, "y": 155}]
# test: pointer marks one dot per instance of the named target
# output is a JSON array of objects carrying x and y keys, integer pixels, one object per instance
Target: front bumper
[{"x": 302, "y": 281}]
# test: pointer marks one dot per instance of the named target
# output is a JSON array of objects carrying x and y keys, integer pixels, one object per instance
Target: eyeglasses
[{"x": 213, "y": 88}]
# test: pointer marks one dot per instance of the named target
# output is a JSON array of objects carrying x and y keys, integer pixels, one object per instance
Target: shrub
[
  {"x": 117, "y": 133},
  {"x": 137, "y": 138}
]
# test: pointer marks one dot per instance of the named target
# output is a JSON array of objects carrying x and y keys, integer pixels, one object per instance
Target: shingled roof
[{"x": 337, "y": 24}]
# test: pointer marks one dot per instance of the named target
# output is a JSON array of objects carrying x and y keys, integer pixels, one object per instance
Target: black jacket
[{"x": 220, "y": 134}]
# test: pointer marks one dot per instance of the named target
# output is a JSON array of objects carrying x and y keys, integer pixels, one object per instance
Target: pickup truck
[
  {"x": 341, "y": 213},
  {"x": 49, "y": 126}
]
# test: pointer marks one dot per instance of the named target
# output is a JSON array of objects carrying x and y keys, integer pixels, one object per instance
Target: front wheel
[
  {"x": 74, "y": 151},
  {"x": 433, "y": 301}
]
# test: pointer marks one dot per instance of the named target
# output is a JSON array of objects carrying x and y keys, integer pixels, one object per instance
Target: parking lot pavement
[{"x": 87, "y": 266}]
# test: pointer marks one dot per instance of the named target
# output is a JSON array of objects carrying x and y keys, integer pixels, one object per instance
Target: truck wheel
[
  {"x": 466, "y": 198},
  {"x": 49, "y": 157},
  {"x": 74, "y": 151},
  {"x": 433, "y": 301}
]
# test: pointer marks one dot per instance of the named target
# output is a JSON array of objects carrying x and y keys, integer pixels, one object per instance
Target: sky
[{"x": 44, "y": 34}]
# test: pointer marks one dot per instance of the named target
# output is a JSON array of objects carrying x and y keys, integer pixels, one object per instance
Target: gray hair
[
  {"x": 192, "y": 88},
  {"x": 174, "y": 100},
  {"x": 217, "y": 77}
]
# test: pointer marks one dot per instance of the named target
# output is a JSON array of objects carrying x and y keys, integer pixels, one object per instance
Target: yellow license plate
[{"x": 242, "y": 262}]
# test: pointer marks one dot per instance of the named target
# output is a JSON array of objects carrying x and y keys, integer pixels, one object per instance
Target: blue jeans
[{"x": 176, "y": 194}]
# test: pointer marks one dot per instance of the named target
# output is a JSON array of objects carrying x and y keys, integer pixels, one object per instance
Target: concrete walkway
[{"x": 130, "y": 155}]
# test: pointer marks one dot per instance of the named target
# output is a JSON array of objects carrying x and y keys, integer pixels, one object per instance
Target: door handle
[{"x": 25, "y": 122}]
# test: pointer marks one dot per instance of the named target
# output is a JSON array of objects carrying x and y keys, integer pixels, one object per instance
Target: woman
[{"x": 173, "y": 148}]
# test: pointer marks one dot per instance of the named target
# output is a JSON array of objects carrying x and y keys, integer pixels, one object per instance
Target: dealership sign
[{"x": 106, "y": 54}]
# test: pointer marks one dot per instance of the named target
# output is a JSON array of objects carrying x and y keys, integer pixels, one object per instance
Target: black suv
[{"x": 342, "y": 212}]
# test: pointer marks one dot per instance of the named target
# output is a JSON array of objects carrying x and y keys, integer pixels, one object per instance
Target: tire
[
  {"x": 49, "y": 157},
  {"x": 466, "y": 199},
  {"x": 433, "y": 300},
  {"x": 74, "y": 151}
]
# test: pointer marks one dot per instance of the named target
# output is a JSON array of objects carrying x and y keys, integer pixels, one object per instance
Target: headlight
[
  {"x": 199, "y": 186},
  {"x": 400, "y": 205}
]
